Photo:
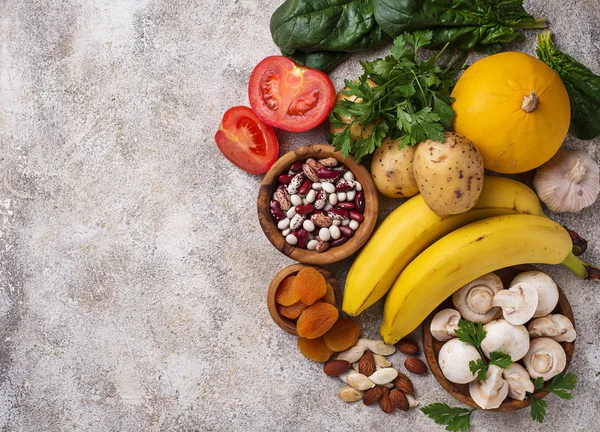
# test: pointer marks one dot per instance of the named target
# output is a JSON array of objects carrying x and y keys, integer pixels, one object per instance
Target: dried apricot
[
  {"x": 329, "y": 296},
  {"x": 342, "y": 335},
  {"x": 316, "y": 320},
  {"x": 293, "y": 311},
  {"x": 314, "y": 349},
  {"x": 287, "y": 294},
  {"x": 310, "y": 284}
]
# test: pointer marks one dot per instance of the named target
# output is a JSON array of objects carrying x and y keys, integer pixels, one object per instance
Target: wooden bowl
[
  {"x": 287, "y": 324},
  {"x": 432, "y": 346},
  {"x": 334, "y": 254}
]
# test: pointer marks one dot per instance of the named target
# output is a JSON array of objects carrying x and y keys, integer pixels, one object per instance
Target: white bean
[
  {"x": 311, "y": 196},
  {"x": 275, "y": 196},
  {"x": 341, "y": 195},
  {"x": 285, "y": 232},
  {"x": 328, "y": 187},
  {"x": 317, "y": 186},
  {"x": 304, "y": 201},
  {"x": 283, "y": 224},
  {"x": 348, "y": 175},
  {"x": 354, "y": 225},
  {"x": 291, "y": 239},
  {"x": 327, "y": 206},
  {"x": 296, "y": 199},
  {"x": 335, "y": 232},
  {"x": 291, "y": 212},
  {"x": 337, "y": 222},
  {"x": 350, "y": 195},
  {"x": 308, "y": 225},
  {"x": 312, "y": 244},
  {"x": 345, "y": 222},
  {"x": 333, "y": 199},
  {"x": 357, "y": 186},
  {"x": 324, "y": 234}
]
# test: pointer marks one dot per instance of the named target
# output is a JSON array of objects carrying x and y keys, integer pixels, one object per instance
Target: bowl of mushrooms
[{"x": 527, "y": 320}]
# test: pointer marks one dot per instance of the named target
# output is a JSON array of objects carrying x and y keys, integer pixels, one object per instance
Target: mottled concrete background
[{"x": 133, "y": 271}]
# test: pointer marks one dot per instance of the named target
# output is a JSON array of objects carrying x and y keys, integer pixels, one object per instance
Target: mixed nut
[{"x": 318, "y": 204}]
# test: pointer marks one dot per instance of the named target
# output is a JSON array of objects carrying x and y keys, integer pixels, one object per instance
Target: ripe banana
[
  {"x": 412, "y": 227},
  {"x": 466, "y": 254}
]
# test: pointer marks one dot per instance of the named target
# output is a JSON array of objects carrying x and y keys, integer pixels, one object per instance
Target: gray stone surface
[{"x": 133, "y": 271}]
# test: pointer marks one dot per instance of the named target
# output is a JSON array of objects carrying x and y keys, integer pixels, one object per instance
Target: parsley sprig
[
  {"x": 411, "y": 101},
  {"x": 480, "y": 367},
  {"x": 559, "y": 385},
  {"x": 455, "y": 419}
]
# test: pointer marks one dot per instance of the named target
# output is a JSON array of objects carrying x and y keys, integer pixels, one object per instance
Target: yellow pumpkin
[{"x": 514, "y": 108}]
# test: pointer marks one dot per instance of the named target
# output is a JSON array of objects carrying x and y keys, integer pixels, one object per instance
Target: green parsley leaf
[
  {"x": 561, "y": 383},
  {"x": 498, "y": 358},
  {"x": 538, "y": 409},
  {"x": 470, "y": 333},
  {"x": 479, "y": 368},
  {"x": 455, "y": 419},
  {"x": 538, "y": 383}
]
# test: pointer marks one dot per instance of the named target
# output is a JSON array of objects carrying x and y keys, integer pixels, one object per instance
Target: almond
[
  {"x": 408, "y": 347},
  {"x": 415, "y": 365},
  {"x": 398, "y": 399},
  {"x": 384, "y": 402},
  {"x": 404, "y": 384},
  {"x": 336, "y": 367},
  {"x": 372, "y": 396},
  {"x": 366, "y": 365}
]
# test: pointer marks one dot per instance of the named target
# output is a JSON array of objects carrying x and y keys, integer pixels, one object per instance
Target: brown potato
[
  {"x": 392, "y": 170},
  {"x": 449, "y": 174}
]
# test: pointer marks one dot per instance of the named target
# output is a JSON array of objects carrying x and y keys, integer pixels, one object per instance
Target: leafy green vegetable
[
  {"x": 466, "y": 24},
  {"x": 480, "y": 367},
  {"x": 581, "y": 84},
  {"x": 325, "y": 25},
  {"x": 323, "y": 60},
  {"x": 470, "y": 333},
  {"x": 559, "y": 385},
  {"x": 455, "y": 419},
  {"x": 411, "y": 101}
]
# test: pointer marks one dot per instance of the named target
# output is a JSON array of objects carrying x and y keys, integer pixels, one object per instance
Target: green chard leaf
[{"x": 455, "y": 419}]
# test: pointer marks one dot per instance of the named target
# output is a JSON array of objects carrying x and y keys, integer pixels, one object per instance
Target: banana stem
[
  {"x": 580, "y": 269},
  {"x": 579, "y": 243}
]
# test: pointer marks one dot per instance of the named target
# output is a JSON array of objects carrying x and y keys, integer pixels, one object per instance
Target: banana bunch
[{"x": 427, "y": 257}]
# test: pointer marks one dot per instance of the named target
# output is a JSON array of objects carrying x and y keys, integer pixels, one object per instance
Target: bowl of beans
[{"x": 317, "y": 207}]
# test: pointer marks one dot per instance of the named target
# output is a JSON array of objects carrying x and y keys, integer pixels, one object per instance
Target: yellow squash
[{"x": 514, "y": 108}]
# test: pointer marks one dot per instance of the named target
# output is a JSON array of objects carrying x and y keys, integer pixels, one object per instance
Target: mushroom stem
[
  {"x": 577, "y": 173},
  {"x": 530, "y": 102}
]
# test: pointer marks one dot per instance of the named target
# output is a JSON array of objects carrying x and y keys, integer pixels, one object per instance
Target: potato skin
[
  {"x": 392, "y": 170},
  {"x": 449, "y": 174}
]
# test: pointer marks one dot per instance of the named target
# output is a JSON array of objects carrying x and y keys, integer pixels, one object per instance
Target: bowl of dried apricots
[{"x": 302, "y": 300}]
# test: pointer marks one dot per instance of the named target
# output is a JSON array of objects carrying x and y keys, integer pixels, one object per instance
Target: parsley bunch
[{"x": 411, "y": 101}]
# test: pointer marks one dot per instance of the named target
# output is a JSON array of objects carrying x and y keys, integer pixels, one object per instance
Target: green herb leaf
[
  {"x": 538, "y": 409},
  {"x": 479, "y": 368},
  {"x": 470, "y": 333},
  {"x": 498, "y": 358},
  {"x": 538, "y": 383},
  {"x": 561, "y": 383},
  {"x": 455, "y": 419}
]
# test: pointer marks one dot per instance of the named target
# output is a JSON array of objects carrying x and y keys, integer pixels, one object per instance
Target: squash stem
[{"x": 537, "y": 23}]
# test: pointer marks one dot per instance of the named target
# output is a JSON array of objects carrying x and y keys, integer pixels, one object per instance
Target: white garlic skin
[{"x": 568, "y": 182}]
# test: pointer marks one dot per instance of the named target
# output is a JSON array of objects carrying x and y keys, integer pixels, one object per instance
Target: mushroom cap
[
  {"x": 474, "y": 300},
  {"x": 444, "y": 324},
  {"x": 546, "y": 288},
  {"x": 490, "y": 393},
  {"x": 557, "y": 327},
  {"x": 545, "y": 358},
  {"x": 454, "y": 358},
  {"x": 503, "y": 336},
  {"x": 519, "y": 382},
  {"x": 518, "y": 303}
]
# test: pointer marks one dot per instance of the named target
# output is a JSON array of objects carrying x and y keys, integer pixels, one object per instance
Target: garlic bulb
[{"x": 568, "y": 182}]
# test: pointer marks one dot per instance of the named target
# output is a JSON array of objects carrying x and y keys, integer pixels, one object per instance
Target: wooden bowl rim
[
  {"x": 287, "y": 324},
  {"x": 508, "y": 404},
  {"x": 332, "y": 255}
]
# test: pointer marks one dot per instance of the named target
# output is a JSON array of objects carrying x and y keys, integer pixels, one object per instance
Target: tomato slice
[
  {"x": 247, "y": 142},
  {"x": 289, "y": 96}
]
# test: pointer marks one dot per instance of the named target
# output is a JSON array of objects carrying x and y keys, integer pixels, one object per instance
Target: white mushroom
[
  {"x": 503, "y": 336},
  {"x": 444, "y": 324},
  {"x": 474, "y": 300},
  {"x": 490, "y": 393},
  {"x": 546, "y": 288},
  {"x": 545, "y": 358},
  {"x": 454, "y": 358},
  {"x": 518, "y": 303},
  {"x": 557, "y": 327},
  {"x": 519, "y": 382}
]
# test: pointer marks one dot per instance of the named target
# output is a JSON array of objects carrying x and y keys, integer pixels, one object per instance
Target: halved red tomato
[
  {"x": 289, "y": 96},
  {"x": 247, "y": 142}
]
